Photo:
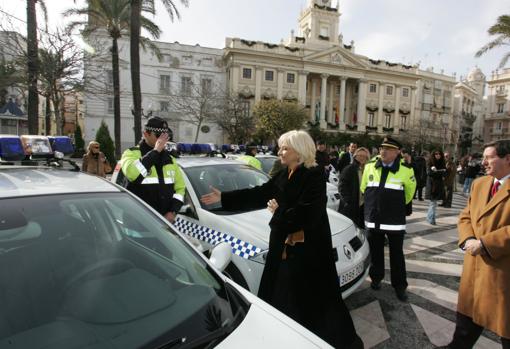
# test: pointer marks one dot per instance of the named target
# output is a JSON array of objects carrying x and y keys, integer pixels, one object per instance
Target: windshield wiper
[
  {"x": 174, "y": 343},
  {"x": 211, "y": 339}
]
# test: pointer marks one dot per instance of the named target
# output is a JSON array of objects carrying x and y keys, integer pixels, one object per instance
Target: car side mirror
[
  {"x": 187, "y": 210},
  {"x": 221, "y": 255}
]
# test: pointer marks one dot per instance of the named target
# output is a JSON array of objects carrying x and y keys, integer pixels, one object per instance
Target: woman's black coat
[
  {"x": 348, "y": 187},
  {"x": 312, "y": 279},
  {"x": 435, "y": 183}
]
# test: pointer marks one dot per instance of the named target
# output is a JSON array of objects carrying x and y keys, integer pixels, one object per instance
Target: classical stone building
[
  {"x": 342, "y": 90},
  {"x": 497, "y": 119},
  {"x": 469, "y": 111},
  {"x": 183, "y": 71}
]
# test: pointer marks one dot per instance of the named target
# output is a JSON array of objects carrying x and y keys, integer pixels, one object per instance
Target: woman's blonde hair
[
  {"x": 91, "y": 144},
  {"x": 302, "y": 143},
  {"x": 359, "y": 150}
]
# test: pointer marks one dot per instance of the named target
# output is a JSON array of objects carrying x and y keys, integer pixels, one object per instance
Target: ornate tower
[
  {"x": 319, "y": 23},
  {"x": 476, "y": 80}
]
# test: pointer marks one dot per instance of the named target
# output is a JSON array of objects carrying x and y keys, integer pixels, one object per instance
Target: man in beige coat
[{"x": 484, "y": 234}]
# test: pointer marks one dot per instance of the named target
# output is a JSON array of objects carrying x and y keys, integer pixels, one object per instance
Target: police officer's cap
[
  {"x": 391, "y": 143},
  {"x": 158, "y": 126}
]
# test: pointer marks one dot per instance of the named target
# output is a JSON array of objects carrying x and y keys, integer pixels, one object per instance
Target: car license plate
[{"x": 352, "y": 274}]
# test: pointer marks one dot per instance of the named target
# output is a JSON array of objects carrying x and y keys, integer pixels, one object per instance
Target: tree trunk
[
  {"x": 116, "y": 97},
  {"x": 136, "y": 9},
  {"x": 48, "y": 115},
  {"x": 57, "y": 109},
  {"x": 198, "y": 131},
  {"x": 32, "y": 68}
]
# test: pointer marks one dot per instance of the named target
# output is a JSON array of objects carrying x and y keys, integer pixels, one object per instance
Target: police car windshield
[
  {"x": 224, "y": 178},
  {"x": 101, "y": 270}
]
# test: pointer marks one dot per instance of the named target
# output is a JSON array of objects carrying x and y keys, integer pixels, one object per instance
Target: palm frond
[
  {"x": 148, "y": 44},
  {"x": 504, "y": 60},
  {"x": 499, "y": 41}
]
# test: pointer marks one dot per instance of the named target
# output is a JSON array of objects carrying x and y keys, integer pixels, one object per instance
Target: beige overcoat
[{"x": 484, "y": 293}]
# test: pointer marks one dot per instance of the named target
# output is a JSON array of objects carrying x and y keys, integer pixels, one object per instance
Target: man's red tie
[{"x": 495, "y": 188}]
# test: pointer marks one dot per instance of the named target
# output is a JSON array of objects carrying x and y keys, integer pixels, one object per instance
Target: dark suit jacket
[
  {"x": 348, "y": 187},
  {"x": 344, "y": 161}
]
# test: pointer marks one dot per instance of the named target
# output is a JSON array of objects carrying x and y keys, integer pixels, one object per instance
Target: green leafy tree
[
  {"x": 79, "y": 142},
  {"x": 501, "y": 30},
  {"x": 275, "y": 117},
  {"x": 235, "y": 119},
  {"x": 106, "y": 143},
  {"x": 136, "y": 11},
  {"x": 115, "y": 17}
]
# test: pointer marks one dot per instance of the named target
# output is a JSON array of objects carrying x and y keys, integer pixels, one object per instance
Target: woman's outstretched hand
[
  {"x": 213, "y": 197},
  {"x": 272, "y": 205}
]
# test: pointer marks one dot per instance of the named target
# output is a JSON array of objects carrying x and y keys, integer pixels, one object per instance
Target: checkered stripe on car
[{"x": 239, "y": 247}]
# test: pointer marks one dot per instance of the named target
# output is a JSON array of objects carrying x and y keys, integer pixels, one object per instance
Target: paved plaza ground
[{"x": 434, "y": 265}]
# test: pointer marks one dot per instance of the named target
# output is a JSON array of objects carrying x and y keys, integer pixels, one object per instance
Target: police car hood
[{"x": 256, "y": 223}]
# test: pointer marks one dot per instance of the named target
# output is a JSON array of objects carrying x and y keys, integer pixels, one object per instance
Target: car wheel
[{"x": 233, "y": 273}]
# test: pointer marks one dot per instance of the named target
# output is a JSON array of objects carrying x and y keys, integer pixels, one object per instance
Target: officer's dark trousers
[
  {"x": 397, "y": 261},
  {"x": 467, "y": 333}
]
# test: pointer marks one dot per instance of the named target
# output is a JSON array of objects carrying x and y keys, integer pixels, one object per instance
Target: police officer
[
  {"x": 152, "y": 172},
  {"x": 388, "y": 185},
  {"x": 250, "y": 159}
]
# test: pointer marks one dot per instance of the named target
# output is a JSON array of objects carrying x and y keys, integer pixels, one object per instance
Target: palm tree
[
  {"x": 114, "y": 16},
  {"x": 136, "y": 7},
  {"x": 32, "y": 64},
  {"x": 502, "y": 30}
]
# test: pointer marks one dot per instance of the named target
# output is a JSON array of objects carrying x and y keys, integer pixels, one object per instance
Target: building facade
[
  {"x": 342, "y": 90},
  {"x": 469, "y": 111},
  {"x": 182, "y": 72},
  {"x": 497, "y": 119}
]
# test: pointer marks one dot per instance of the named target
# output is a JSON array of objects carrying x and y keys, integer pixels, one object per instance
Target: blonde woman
[
  {"x": 94, "y": 161},
  {"x": 299, "y": 277}
]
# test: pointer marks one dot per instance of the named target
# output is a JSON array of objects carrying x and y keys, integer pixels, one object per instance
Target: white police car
[
  {"x": 248, "y": 232},
  {"x": 84, "y": 263}
]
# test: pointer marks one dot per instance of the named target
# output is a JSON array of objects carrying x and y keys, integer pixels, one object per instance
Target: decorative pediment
[
  {"x": 404, "y": 108},
  {"x": 337, "y": 56},
  {"x": 269, "y": 93},
  {"x": 290, "y": 96},
  {"x": 372, "y": 104},
  {"x": 246, "y": 92}
]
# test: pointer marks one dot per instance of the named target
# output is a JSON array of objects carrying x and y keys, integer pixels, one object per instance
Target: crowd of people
[{"x": 376, "y": 192}]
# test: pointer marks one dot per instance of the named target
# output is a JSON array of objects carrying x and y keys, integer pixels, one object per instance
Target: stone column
[
  {"x": 258, "y": 83},
  {"x": 312, "y": 102},
  {"x": 324, "y": 86},
  {"x": 411, "y": 122},
  {"x": 341, "y": 112},
  {"x": 380, "y": 112},
  {"x": 396, "y": 122},
  {"x": 302, "y": 77},
  {"x": 331, "y": 115},
  {"x": 235, "y": 77},
  {"x": 362, "y": 106},
  {"x": 279, "y": 84}
]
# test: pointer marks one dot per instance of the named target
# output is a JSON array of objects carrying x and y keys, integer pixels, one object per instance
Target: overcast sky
[{"x": 444, "y": 34}]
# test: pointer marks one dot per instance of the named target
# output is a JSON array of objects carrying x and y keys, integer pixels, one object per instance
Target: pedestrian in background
[
  {"x": 408, "y": 161},
  {"x": 348, "y": 157},
  {"x": 388, "y": 186},
  {"x": 420, "y": 174},
  {"x": 351, "y": 198},
  {"x": 300, "y": 277},
  {"x": 95, "y": 162},
  {"x": 449, "y": 180},
  {"x": 153, "y": 174},
  {"x": 471, "y": 170},
  {"x": 249, "y": 157},
  {"x": 436, "y": 172},
  {"x": 484, "y": 235},
  {"x": 322, "y": 156}
]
